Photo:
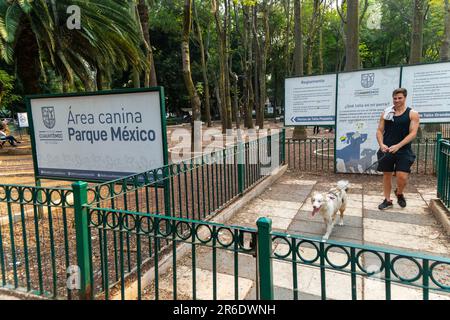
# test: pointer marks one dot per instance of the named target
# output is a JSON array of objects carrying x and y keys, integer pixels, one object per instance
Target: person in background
[{"x": 5, "y": 135}]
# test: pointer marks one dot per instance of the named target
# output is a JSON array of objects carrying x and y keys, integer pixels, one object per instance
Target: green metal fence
[
  {"x": 37, "y": 239},
  {"x": 142, "y": 236},
  {"x": 317, "y": 155},
  {"x": 195, "y": 189},
  {"x": 337, "y": 270},
  {"x": 154, "y": 238},
  {"x": 41, "y": 237},
  {"x": 443, "y": 175}
]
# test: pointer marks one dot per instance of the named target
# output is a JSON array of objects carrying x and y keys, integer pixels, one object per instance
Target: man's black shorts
[{"x": 400, "y": 161}]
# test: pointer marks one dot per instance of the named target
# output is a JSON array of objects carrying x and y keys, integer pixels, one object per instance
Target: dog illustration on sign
[
  {"x": 365, "y": 162},
  {"x": 352, "y": 152}
]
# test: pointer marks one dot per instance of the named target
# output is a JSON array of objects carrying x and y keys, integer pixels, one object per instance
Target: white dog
[{"x": 328, "y": 204}]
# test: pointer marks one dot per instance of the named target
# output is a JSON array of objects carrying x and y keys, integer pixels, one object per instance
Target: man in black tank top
[{"x": 396, "y": 130}]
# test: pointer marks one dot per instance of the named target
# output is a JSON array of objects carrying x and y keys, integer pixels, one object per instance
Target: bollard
[
  {"x": 264, "y": 259},
  {"x": 82, "y": 238}
]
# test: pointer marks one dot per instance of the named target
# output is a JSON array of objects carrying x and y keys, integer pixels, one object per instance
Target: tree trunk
[
  {"x": 321, "y": 51},
  {"x": 299, "y": 131},
  {"x": 287, "y": 9},
  {"x": 27, "y": 59},
  {"x": 207, "y": 106},
  {"x": 298, "y": 52},
  {"x": 150, "y": 74},
  {"x": 185, "y": 52},
  {"x": 227, "y": 65},
  {"x": 263, "y": 64},
  {"x": 445, "y": 47},
  {"x": 417, "y": 33},
  {"x": 249, "y": 70},
  {"x": 352, "y": 36},
  {"x": 221, "y": 53},
  {"x": 136, "y": 78},
  {"x": 313, "y": 28}
]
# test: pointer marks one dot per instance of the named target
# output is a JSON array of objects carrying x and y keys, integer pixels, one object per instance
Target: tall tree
[
  {"x": 185, "y": 52},
  {"x": 150, "y": 71},
  {"x": 298, "y": 51},
  {"x": 32, "y": 33},
  {"x": 300, "y": 131},
  {"x": 352, "y": 36},
  {"x": 445, "y": 47},
  {"x": 203, "y": 52},
  {"x": 415, "y": 55},
  {"x": 352, "y": 21}
]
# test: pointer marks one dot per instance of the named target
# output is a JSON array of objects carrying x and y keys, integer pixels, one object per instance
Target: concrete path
[{"x": 287, "y": 203}]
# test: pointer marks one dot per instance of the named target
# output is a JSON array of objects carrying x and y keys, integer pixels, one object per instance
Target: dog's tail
[{"x": 343, "y": 185}]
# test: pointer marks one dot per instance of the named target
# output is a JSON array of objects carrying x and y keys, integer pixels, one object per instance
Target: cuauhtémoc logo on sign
[
  {"x": 367, "y": 80},
  {"x": 48, "y": 117},
  {"x": 49, "y": 120}
]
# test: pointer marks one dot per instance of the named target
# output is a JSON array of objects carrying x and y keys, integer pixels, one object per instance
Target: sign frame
[
  {"x": 337, "y": 105},
  {"x": 28, "y": 99},
  {"x": 410, "y": 91},
  {"x": 284, "y": 100}
]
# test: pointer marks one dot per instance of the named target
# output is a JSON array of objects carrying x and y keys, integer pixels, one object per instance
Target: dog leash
[{"x": 376, "y": 162}]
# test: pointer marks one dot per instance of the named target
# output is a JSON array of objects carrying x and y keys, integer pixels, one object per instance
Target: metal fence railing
[
  {"x": 443, "y": 160},
  {"x": 146, "y": 237},
  {"x": 195, "y": 189},
  {"x": 229, "y": 262},
  {"x": 42, "y": 238},
  {"x": 37, "y": 239},
  {"x": 337, "y": 270},
  {"x": 317, "y": 155}
]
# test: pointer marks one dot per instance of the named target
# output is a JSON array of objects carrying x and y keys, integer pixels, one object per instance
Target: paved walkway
[{"x": 287, "y": 203}]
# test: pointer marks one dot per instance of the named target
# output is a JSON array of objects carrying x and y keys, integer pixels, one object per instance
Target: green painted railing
[
  {"x": 317, "y": 155},
  {"x": 196, "y": 188},
  {"x": 205, "y": 260},
  {"x": 443, "y": 160},
  {"x": 43, "y": 234},
  {"x": 336, "y": 270},
  {"x": 156, "y": 246},
  {"x": 37, "y": 239}
]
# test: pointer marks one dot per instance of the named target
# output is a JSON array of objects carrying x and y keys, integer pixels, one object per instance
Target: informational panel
[
  {"x": 428, "y": 88},
  {"x": 362, "y": 97},
  {"x": 23, "y": 120},
  {"x": 310, "y": 100},
  {"x": 97, "y": 137}
]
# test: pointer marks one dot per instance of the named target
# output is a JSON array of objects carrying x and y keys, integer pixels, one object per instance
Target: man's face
[{"x": 399, "y": 100}]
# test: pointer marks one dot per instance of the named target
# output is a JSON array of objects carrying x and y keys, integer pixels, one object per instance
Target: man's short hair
[{"x": 400, "y": 90}]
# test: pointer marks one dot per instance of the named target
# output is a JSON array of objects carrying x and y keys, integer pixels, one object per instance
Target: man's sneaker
[
  {"x": 385, "y": 205},
  {"x": 400, "y": 199}
]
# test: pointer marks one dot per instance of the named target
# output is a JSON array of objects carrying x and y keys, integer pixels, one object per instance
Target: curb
[{"x": 440, "y": 212}]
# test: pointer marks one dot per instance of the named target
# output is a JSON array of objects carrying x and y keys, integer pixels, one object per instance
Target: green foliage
[{"x": 7, "y": 97}]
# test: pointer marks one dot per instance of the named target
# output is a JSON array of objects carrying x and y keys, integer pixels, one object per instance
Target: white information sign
[
  {"x": 310, "y": 100},
  {"x": 23, "y": 120},
  {"x": 98, "y": 137},
  {"x": 362, "y": 97},
  {"x": 428, "y": 88}
]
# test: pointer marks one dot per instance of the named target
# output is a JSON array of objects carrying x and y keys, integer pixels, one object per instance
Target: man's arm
[
  {"x": 413, "y": 128},
  {"x": 380, "y": 131}
]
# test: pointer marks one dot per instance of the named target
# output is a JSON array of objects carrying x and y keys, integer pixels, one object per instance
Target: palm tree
[{"x": 34, "y": 31}]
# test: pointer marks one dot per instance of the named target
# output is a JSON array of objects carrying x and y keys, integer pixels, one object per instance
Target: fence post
[
  {"x": 436, "y": 152},
  {"x": 283, "y": 146},
  {"x": 82, "y": 238},
  {"x": 264, "y": 258},
  {"x": 439, "y": 169},
  {"x": 241, "y": 168}
]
